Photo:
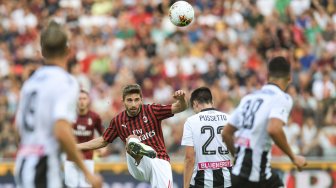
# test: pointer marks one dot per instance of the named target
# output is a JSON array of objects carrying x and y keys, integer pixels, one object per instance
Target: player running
[
  {"x": 46, "y": 112},
  {"x": 84, "y": 129},
  {"x": 139, "y": 126},
  {"x": 207, "y": 161},
  {"x": 260, "y": 118}
]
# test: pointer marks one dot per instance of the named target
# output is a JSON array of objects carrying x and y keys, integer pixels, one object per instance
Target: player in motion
[
  {"x": 139, "y": 126},
  {"x": 207, "y": 161},
  {"x": 259, "y": 118},
  {"x": 84, "y": 129},
  {"x": 46, "y": 111}
]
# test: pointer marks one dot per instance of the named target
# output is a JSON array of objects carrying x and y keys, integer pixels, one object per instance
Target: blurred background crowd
[{"x": 226, "y": 48}]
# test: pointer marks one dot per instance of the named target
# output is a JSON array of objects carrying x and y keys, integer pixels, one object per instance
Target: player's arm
[
  {"x": 93, "y": 144},
  {"x": 181, "y": 103},
  {"x": 228, "y": 137},
  {"x": 63, "y": 133},
  {"x": 275, "y": 130},
  {"x": 189, "y": 162}
]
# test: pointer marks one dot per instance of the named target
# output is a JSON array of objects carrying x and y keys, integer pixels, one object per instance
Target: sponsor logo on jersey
[
  {"x": 81, "y": 131},
  {"x": 214, "y": 165},
  {"x": 143, "y": 135}
]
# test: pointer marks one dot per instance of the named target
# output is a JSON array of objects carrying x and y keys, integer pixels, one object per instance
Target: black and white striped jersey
[
  {"x": 49, "y": 95},
  {"x": 212, "y": 159},
  {"x": 253, "y": 143}
]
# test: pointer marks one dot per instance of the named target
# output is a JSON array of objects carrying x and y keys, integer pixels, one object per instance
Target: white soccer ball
[{"x": 181, "y": 13}]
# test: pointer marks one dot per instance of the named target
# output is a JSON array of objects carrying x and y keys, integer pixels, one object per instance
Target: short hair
[
  {"x": 84, "y": 91},
  {"x": 202, "y": 95},
  {"x": 53, "y": 41},
  {"x": 279, "y": 67},
  {"x": 131, "y": 89}
]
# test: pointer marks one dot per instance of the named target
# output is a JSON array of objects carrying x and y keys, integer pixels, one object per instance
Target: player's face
[
  {"x": 83, "y": 102},
  {"x": 132, "y": 104}
]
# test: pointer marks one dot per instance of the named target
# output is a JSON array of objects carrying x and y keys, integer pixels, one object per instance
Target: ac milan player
[
  {"x": 84, "y": 129},
  {"x": 139, "y": 126}
]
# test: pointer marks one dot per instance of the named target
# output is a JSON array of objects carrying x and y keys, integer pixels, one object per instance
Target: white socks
[{"x": 136, "y": 140}]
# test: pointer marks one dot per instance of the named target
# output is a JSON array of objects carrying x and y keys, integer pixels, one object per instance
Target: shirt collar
[
  {"x": 207, "y": 109},
  {"x": 273, "y": 87}
]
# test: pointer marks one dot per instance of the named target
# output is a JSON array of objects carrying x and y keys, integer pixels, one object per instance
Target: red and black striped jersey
[{"x": 146, "y": 125}]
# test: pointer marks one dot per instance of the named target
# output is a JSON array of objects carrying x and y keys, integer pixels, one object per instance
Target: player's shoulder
[
  {"x": 146, "y": 106},
  {"x": 56, "y": 75},
  {"x": 93, "y": 114},
  {"x": 193, "y": 117},
  {"x": 119, "y": 116},
  {"x": 286, "y": 99}
]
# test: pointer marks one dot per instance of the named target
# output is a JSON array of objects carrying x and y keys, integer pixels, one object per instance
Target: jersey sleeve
[
  {"x": 162, "y": 112},
  {"x": 187, "y": 138},
  {"x": 98, "y": 124},
  {"x": 65, "y": 100},
  {"x": 111, "y": 132},
  {"x": 281, "y": 109}
]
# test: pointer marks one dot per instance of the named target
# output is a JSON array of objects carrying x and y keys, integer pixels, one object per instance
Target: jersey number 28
[{"x": 249, "y": 110}]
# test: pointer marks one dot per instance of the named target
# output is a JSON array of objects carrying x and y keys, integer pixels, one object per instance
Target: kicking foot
[{"x": 141, "y": 149}]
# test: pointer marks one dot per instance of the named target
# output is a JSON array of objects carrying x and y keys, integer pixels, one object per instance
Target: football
[{"x": 181, "y": 13}]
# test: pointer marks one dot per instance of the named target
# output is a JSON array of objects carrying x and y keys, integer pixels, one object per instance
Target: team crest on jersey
[
  {"x": 145, "y": 119},
  {"x": 89, "y": 121},
  {"x": 124, "y": 125}
]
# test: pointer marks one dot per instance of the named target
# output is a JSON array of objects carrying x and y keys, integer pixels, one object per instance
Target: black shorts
[
  {"x": 195, "y": 186},
  {"x": 273, "y": 182}
]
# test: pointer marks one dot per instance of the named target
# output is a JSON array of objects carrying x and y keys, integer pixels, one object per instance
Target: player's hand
[
  {"x": 299, "y": 161},
  {"x": 179, "y": 95},
  {"x": 95, "y": 180}
]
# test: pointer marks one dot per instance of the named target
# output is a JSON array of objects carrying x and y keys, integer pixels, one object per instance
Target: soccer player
[
  {"x": 207, "y": 161},
  {"x": 260, "y": 118},
  {"x": 46, "y": 110},
  {"x": 139, "y": 126},
  {"x": 84, "y": 129}
]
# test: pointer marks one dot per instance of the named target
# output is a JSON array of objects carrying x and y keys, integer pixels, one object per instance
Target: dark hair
[
  {"x": 279, "y": 67},
  {"x": 53, "y": 41},
  {"x": 131, "y": 89},
  {"x": 84, "y": 91},
  {"x": 201, "y": 95}
]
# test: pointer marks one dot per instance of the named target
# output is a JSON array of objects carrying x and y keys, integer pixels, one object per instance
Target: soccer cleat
[{"x": 141, "y": 149}]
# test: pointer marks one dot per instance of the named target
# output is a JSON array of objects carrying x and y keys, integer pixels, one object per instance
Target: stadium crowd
[{"x": 226, "y": 48}]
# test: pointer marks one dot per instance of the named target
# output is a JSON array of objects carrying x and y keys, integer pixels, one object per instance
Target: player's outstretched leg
[{"x": 138, "y": 149}]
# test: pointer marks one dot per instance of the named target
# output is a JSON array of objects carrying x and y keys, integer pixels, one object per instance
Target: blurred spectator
[{"x": 309, "y": 137}]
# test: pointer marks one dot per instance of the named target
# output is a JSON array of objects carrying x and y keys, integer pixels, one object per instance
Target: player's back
[
  {"x": 49, "y": 95},
  {"x": 253, "y": 141},
  {"x": 211, "y": 155}
]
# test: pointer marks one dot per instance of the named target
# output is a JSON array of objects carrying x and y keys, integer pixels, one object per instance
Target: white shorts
[
  {"x": 74, "y": 177},
  {"x": 156, "y": 171}
]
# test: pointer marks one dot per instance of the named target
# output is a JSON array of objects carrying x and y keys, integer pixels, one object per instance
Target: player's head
[
  {"x": 83, "y": 101},
  {"x": 199, "y": 98},
  {"x": 279, "y": 70},
  {"x": 132, "y": 98},
  {"x": 53, "y": 41}
]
